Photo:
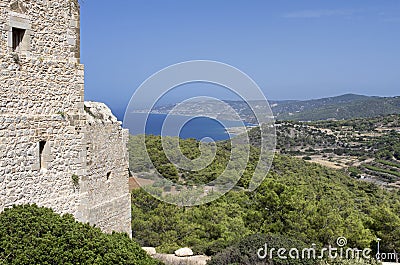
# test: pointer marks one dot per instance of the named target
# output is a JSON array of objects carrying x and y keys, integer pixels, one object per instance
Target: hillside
[
  {"x": 347, "y": 106},
  {"x": 342, "y": 107},
  {"x": 298, "y": 200}
]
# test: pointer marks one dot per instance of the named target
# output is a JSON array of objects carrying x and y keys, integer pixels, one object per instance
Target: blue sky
[{"x": 292, "y": 49}]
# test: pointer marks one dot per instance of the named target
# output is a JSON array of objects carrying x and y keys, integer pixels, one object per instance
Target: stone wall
[
  {"x": 106, "y": 185},
  {"x": 41, "y": 101},
  {"x": 46, "y": 137}
]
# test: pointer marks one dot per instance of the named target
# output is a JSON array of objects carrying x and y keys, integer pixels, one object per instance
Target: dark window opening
[
  {"x": 42, "y": 144},
  {"x": 17, "y": 37},
  {"x": 108, "y": 175}
]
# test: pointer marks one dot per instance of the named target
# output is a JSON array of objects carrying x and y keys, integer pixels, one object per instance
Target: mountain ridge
[
  {"x": 346, "y": 106},
  {"x": 341, "y": 107}
]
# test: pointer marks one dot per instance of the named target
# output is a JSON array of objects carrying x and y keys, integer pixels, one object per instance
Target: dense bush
[
  {"x": 33, "y": 235},
  {"x": 206, "y": 229},
  {"x": 245, "y": 251},
  {"x": 153, "y": 160},
  {"x": 299, "y": 200}
]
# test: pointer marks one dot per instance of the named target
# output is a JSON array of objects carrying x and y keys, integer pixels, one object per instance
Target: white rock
[
  {"x": 184, "y": 252},
  {"x": 98, "y": 112},
  {"x": 172, "y": 259},
  {"x": 150, "y": 251}
]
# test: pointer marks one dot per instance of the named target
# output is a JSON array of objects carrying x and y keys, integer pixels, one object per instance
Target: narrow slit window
[
  {"x": 17, "y": 38},
  {"x": 42, "y": 145},
  {"x": 108, "y": 175}
]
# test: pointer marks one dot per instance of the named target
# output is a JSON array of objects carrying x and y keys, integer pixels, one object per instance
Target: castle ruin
[{"x": 55, "y": 149}]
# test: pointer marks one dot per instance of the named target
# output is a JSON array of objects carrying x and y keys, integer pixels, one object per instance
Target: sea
[{"x": 200, "y": 128}]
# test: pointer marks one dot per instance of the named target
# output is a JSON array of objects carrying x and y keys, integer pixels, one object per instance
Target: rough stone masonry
[{"x": 55, "y": 149}]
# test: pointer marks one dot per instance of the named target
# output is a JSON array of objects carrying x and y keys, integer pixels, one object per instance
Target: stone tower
[{"x": 55, "y": 149}]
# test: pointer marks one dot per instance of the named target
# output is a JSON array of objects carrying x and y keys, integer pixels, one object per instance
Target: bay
[{"x": 185, "y": 127}]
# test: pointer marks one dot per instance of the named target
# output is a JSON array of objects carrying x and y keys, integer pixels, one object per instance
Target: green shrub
[
  {"x": 33, "y": 235},
  {"x": 383, "y": 170},
  {"x": 245, "y": 251},
  {"x": 75, "y": 180}
]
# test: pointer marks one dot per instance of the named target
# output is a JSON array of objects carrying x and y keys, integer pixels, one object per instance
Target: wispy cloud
[
  {"x": 389, "y": 16},
  {"x": 319, "y": 13},
  {"x": 392, "y": 19}
]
